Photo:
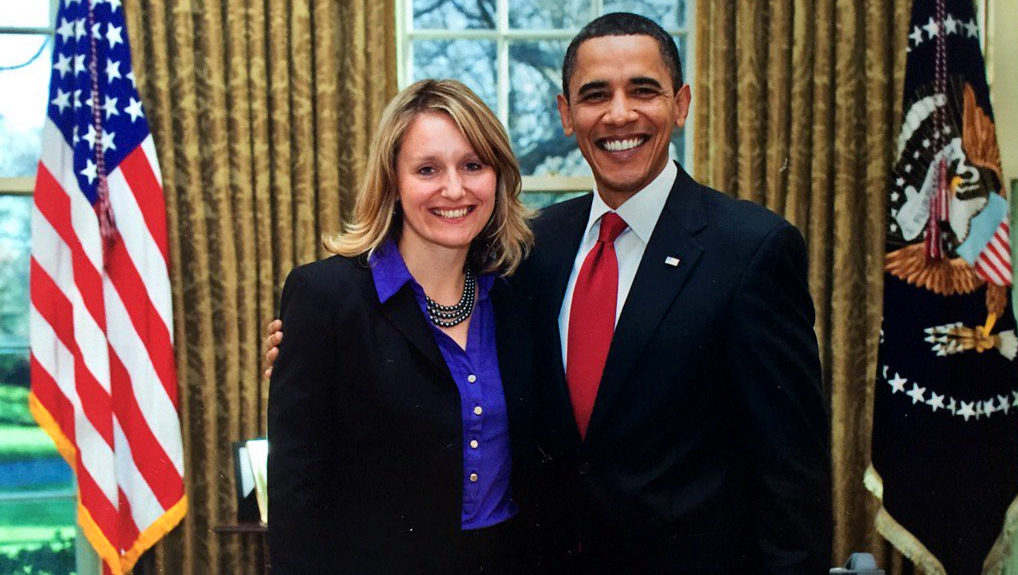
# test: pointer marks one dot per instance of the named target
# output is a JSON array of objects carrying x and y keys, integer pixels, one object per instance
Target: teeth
[
  {"x": 458, "y": 213},
  {"x": 622, "y": 145}
]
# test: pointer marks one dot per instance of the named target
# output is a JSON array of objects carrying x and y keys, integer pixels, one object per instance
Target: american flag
[{"x": 104, "y": 385}]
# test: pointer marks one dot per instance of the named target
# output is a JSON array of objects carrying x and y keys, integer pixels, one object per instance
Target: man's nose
[{"x": 620, "y": 110}]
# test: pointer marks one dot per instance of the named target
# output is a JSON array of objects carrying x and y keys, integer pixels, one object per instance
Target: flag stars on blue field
[
  {"x": 134, "y": 110},
  {"x": 113, "y": 123},
  {"x": 113, "y": 36},
  {"x": 107, "y": 141},
  {"x": 62, "y": 65},
  {"x": 62, "y": 100},
  {"x": 90, "y": 136},
  {"x": 110, "y": 107},
  {"x": 65, "y": 30},
  {"x": 112, "y": 71},
  {"x": 89, "y": 171}
]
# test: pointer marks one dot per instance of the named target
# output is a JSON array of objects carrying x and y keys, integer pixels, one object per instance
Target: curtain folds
[
  {"x": 261, "y": 113},
  {"x": 796, "y": 106}
]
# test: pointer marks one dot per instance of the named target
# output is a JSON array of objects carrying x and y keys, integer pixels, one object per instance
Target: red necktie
[{"x": 592, "y": 320}]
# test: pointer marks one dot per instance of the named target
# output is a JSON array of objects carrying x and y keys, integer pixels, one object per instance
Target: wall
[{"x": 1003, "y": 72}]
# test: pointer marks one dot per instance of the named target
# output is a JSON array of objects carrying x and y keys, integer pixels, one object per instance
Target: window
[
  {"x": 511, "y": 54},
  {"x": 37, "y": 500}
]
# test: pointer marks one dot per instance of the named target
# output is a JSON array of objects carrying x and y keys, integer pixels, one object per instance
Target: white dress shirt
[{"x": 640, "y": 212}]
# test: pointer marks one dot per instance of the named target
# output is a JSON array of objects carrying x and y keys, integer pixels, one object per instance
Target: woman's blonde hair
[{"x": 505, "y": 240}]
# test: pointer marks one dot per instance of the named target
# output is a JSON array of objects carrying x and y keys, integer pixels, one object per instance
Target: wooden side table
[{"x": 244, "y": 530}]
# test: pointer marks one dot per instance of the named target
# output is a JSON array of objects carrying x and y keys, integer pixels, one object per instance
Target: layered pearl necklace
[{"x": 450, "y": 315}]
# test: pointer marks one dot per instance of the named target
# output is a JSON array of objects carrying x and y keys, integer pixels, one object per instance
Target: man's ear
[
  {"x": 564, "y": 115},
  {"x": 682, "y": 99}
]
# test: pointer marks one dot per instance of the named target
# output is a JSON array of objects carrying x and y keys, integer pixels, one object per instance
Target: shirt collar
[
  {"x": 642, "y": 210},
  {"x": 390, "y": 274}
]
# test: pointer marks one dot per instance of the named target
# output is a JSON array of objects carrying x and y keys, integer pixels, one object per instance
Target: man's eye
[{"x": 594, "y": 96}]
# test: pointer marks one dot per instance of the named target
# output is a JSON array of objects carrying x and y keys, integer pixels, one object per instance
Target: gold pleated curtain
[
  {"x": 797, "y": 104},
  {"x": 262, "y": 113}
]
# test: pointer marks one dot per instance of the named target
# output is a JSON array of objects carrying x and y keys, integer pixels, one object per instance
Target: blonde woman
[{"x": 397, "y": 409}]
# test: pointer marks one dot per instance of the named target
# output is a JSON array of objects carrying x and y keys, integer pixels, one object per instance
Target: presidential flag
[
  {"x": 945, "y": 422},
  {"x": 104, "y": 384}
]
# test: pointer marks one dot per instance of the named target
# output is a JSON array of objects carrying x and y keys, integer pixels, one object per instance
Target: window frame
[{"x": 503, "y": 36}]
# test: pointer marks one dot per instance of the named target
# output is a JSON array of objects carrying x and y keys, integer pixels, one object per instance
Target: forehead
[
  {"x": 433, "y": 132},
  {"x": 619, "y": 58}
]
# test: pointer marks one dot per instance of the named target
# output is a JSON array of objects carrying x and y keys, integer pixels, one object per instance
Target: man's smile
[{"x": 621, "y": 144}]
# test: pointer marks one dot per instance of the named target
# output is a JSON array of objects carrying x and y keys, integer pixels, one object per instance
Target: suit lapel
[
  {"x": 404, "y": 313},
  {"x": 561, "y": 246},
  {"x": 655, "y": 287}
]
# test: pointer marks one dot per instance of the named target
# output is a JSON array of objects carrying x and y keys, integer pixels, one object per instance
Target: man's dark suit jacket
[
  {"x": 365, "y": 431},
  {"x": 707, "y": 449}
]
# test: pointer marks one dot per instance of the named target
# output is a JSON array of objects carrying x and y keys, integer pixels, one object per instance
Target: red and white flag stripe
[{"x": 994, "y": 262}]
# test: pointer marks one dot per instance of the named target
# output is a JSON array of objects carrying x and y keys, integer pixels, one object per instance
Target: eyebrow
[
  {"x": 592, "y": 86},
  {"x": 643, "y": 81},
  {"x": 601, "y": 84}
]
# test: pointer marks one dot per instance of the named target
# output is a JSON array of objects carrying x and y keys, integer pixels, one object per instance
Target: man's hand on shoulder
[{"x": 273, "y": 335}]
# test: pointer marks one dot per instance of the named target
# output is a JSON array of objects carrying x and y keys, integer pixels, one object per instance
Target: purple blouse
[{"x": 487, "y": 461}]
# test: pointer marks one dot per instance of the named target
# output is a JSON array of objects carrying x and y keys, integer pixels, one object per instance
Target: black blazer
[
  {"x": 707, "y": 450},
  {"x": 365, "y": 431}
]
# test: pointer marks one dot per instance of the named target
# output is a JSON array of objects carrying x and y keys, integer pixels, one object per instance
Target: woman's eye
[
  {"x": 426, "y": 170},
  {"x": 474, "y": 166}
]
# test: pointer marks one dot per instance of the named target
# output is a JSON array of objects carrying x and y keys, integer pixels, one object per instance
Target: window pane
[
  {"x": 469, "y": 61},
  {"x": 667, "y": 13},
  {"x": 37, "y": 532},
  {"x": 18, "y": 13},
  {"x": 455, "y": 14},
  {"x": 36, "y": 527},
  {"x": 678, "y": 147},
  {"x": 23, "y": 95},
  {"x": 549, "y": 14},
  {"x": 15, "y": 248},
  {"x": 534, "y": 124}
]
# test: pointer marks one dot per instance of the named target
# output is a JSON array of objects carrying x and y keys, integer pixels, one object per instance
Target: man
[
  {"x": 682, "y": 425},
  {"x": 702, "y": 442}
]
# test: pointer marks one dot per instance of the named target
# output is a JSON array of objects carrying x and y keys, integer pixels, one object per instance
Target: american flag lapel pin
[{"x": 672, "y": 261}]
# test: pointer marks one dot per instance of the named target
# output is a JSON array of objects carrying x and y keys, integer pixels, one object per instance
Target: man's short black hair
[{"x": 624, "y": 24}]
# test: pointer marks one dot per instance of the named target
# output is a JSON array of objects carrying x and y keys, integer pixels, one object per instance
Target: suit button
[{"x": 584, "y": 467}]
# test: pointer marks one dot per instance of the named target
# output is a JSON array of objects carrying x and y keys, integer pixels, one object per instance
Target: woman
[{"x": 390, "y": 406}]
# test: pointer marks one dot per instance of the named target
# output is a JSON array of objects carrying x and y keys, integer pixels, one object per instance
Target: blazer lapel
[
  {"x": 403, "y": 312},
  {"x": 656, "y": 285},
  {"x": 513, "y": 341}
]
